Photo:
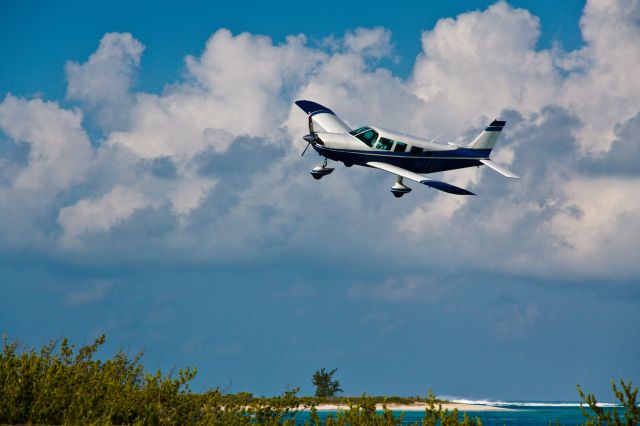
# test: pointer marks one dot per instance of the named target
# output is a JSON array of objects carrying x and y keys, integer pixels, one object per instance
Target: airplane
[{"x": 405, "y": 156}]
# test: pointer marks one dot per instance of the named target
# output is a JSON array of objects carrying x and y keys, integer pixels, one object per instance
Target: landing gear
[
  {"x": 399, "y": 189},
  {"x": 319, "y": 171}
]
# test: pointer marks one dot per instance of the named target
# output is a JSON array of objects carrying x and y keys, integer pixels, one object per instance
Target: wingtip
[{"x": 446, "y": 187}]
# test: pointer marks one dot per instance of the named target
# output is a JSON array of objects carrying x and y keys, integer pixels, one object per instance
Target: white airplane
[{"x": 402, "y": 155}]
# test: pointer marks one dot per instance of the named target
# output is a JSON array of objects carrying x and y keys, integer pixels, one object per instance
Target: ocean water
[{"x": 519, "y": 413}]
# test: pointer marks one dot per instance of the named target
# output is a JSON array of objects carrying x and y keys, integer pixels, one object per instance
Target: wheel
[
  {"x": 348, "y": 164},
  {"x": 397, "y": 194}
]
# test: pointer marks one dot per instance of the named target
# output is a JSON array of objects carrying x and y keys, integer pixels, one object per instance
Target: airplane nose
[{"x": 313, "y": 139}]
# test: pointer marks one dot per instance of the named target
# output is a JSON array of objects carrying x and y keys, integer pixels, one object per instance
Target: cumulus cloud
[
  {"x": 46, "y": 154},
  {"x": 235, "y": 88},
  {"x": 99, "y": 215},
  {"x": 604, "y": 88},
  {"x": 59, "y": 148},
  {"x": 484, "y": 61},
  {"x": 103, "y": 83},
  {"x": 209, "y": 168}
]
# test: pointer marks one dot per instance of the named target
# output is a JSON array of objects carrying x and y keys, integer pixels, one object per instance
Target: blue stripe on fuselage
[{"x": 438, "y": 162}]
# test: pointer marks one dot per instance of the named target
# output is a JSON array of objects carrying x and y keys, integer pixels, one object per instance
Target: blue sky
[
  {"x": 151, "y": 190},
  {"x": 173, "y": 31}
]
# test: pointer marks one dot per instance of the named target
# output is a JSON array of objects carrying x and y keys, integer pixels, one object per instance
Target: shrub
[{"x": 600, "y": 416}]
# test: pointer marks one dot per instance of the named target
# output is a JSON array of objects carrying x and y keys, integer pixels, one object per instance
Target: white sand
[{"x": 418, "y": 406}]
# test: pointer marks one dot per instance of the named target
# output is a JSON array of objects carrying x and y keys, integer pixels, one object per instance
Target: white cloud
[
  {"x": 59, "y": 148},
  {"x": 104, "y": 81},
  {"x": 214, "y": 160},
  {"x": 604, "y": 88},
  {"x": 375, "y": 42},
  {"x": 189, "y": 194},
  {"x": 52, "y": 153},
  {"x": 89, "y": 216},
  {"x": 234, "y": 88},
  {"x": 598, "y": 225},
  {"x": 481, "y": 63}
]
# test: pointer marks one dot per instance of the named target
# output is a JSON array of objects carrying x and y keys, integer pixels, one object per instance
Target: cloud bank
[{"x": 209, "y": 172}]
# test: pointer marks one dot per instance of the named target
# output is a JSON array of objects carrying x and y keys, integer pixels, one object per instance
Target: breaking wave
[{"x": 533, "y": 404}]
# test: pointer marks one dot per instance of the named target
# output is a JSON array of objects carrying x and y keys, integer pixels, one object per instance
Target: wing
[{"x": 436, "y": 184}]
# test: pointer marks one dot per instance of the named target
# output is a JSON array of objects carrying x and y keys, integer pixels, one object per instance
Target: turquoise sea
[{"x": 519, "y": 413}]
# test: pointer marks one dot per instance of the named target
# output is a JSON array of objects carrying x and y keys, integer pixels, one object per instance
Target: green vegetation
[
  {"x": 59, "y": 384},
  {"x": 325, "y": 385},
  {"x": 626, "y": 396},
  {"x": 364, "y": 413}
]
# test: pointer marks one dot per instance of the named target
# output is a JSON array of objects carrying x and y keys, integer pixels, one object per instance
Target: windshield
[{"x": 366, "y": 135}]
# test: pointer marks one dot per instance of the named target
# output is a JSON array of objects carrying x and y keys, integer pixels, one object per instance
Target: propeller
[
  {"x": 305, "y": 150},
  {"x": 310, "y": 138}
]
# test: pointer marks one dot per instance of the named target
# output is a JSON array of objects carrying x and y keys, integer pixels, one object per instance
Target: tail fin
[{"x": 489, "y": 136}]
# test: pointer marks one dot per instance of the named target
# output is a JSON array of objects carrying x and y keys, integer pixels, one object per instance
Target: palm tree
[{"x": 325, "y": 386}]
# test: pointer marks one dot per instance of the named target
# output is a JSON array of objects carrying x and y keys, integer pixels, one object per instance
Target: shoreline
[{"x": 418, "y": 406}]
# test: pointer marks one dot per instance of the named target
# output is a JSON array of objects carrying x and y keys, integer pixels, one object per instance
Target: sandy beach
[{"x": 419, "y": 406}]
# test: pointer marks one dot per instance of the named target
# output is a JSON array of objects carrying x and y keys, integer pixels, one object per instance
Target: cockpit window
[
  {"x": 365, "y": 134},
  {"x": 358, "y": 130},
  {"x": 384, "y": 143}
]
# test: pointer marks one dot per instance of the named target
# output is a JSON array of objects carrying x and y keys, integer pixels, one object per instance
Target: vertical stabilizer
[{"x": 489, "y": 136}]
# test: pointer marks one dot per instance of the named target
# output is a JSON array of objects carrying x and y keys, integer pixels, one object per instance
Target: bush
[
  {"x": 599, "y": 416},
  {"x": 65, "y": 386},
  {"x": 61, "y": 385}
]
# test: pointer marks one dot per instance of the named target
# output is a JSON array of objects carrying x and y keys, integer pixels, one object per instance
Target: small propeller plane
[{"x": 405, "y": 156}]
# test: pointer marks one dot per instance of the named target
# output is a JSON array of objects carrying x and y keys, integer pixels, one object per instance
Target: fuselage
[{"x": 367, "y": 144}]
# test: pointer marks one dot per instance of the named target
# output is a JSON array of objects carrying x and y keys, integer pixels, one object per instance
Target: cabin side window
[
  {"x": 415, "y": 150},
  {"x": 400, "y": 147},
  {"x": 384, "y": 144},
  {"x": 366, "y": 135}
]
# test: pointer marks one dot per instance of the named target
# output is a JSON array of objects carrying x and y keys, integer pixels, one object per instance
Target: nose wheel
[{"x": 319, "y": 172}]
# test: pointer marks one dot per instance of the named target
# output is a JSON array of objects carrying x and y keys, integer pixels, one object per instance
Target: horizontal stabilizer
[
  {"x": 500, "y": 169},
  {"x": 399, "y": 171}
]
